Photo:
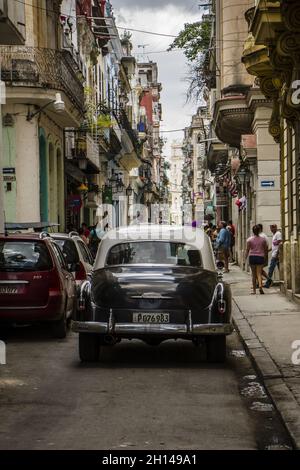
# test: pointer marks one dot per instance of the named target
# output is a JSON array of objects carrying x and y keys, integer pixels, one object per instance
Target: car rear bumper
[
  {"x": 140, "y": 329},
  {"x": 52, "y": 311}
]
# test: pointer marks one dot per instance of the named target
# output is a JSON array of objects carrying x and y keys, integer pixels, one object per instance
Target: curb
[{"x": 273, "y": 380}]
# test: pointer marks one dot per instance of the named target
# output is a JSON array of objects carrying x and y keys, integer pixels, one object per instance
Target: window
[
  {"x": 84, "y": 252},
  {"x": 171, "y": 253},
  {"x": 21, "y": 256},
  {"x": 69, "y": 250},
  {"x": 59, "y": 256}
]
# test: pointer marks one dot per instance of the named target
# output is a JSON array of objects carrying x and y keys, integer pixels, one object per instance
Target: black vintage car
[{"x": 154, "y": 283}]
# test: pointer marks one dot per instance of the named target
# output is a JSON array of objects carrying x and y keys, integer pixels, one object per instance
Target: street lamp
[
  {"x": 243, "y": 175},
  {"x": 59, "y": 107},
  {"x": 129, "y": 190}
]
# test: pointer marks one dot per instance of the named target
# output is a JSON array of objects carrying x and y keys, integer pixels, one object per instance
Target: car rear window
[
  {"x": 24, "y": 256},
  {"x": 69, "y": 250},
  {"x": 154, "y": 252}
]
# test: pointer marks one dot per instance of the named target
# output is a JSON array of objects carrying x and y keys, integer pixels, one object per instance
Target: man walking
[
  {"x": 223, "y": 243},
  {"x": 276, "y": 242}
]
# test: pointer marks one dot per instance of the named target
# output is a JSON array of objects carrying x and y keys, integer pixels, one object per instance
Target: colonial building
[
  {"x": 196, "y": 183},
  {"x": 73, "y": 115},
  {"x": 33, "y": 125},
  {"x": 176, "y": 165},
  {"x": 242, "y": 154},
  {"x": 272, "y": 54}
]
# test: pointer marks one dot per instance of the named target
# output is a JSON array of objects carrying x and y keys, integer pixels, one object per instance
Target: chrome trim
[
  {"x": 170, "y": 329},
  {"x": 219, "y": 287},
  {"x": 151, "y": 295},
  {"x": 14, "y": 282},
  {"x": 110, "y": 326},
  {"x": 190, "y": 323}
]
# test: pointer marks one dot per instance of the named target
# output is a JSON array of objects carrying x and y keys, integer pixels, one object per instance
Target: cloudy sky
[{"x": 168, "y": 17}]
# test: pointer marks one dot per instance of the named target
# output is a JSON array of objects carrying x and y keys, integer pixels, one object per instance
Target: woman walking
[{"x": 257, "y": 250}]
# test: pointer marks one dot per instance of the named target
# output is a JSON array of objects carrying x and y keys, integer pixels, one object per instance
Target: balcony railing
[{"x": 42, "y": 68}]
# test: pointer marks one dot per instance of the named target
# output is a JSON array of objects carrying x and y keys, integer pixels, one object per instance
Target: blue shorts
[{"x": 256, "y": 260}]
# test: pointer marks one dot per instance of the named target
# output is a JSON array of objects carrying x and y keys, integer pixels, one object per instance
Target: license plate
[
  {"x": 8, "y": 290},
  {"x": 151, "y": 318}
]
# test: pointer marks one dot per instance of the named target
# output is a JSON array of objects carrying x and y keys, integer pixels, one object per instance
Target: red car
[{"x": 35, "y": 284}]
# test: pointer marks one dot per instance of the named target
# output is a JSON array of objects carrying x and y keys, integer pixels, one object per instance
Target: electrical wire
[{"x": 48, "y": 10}]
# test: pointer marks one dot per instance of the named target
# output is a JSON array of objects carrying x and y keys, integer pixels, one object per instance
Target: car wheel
[
  {"x": 60, "y": 327},
  {"x": 89, "y": 347},
  {"x": 216, "y": 348}
]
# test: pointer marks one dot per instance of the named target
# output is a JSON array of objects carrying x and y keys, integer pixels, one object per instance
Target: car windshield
[
  {"x": 69, "y": 250},
  {"x": 24, "y": 256},
  {"x": 177, "y": 254}
]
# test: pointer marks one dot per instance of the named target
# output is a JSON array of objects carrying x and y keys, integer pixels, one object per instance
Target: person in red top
[
  {"x": 85, "y": 229},
  {"x": 257, "y": 249},
  {"x": 231, "y": 229}
]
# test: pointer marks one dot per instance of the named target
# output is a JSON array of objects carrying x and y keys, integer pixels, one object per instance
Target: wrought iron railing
[{"x": 44, "y": 68}]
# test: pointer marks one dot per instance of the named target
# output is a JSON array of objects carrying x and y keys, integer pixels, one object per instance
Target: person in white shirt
[
  {"x": 263, "y": 235},
  {"x": 276, "y": 242}
]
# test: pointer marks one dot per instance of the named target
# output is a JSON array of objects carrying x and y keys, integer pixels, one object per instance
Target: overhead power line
[{"x": 154, "y": 33}]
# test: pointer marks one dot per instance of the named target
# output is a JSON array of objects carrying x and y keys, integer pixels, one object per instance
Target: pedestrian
[
  {"x": 231, "y": 228},
  {"x": 263, "y": 235},
  {"x": 276, "y": 242},
  {"x": 94, "y": 241},
  {"x": 257, "y": 250},
  {"x": 223, "y": 244},
  {"x": 85, "y": 229},
  {"x": 82, "y": 236},
  {"x": 102, "y": 226}
]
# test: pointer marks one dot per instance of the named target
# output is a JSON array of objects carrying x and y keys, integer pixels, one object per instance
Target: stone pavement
[{"x": 268, "y": 325}]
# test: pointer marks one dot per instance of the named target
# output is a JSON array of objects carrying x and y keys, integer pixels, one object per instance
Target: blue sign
[{"x": 267, "y": 184}]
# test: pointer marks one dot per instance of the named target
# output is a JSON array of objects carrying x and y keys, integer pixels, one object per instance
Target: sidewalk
[{"x": 268, "y": 325}]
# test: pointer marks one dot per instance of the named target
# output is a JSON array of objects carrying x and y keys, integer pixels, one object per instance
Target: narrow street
[{"x": 137, "y": 397}]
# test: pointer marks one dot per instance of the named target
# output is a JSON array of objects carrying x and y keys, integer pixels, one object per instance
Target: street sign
[
  {"x": 8, "y": 171},
  {"x": 267, "y": 184}
]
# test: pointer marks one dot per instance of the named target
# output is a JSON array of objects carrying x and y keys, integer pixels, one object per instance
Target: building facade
[
  {"x": 103, "y": 147},
  {"x": 271, "y": 54},
  {"x": 242, "y": 154},
  {"x": 176, "y": 166}
]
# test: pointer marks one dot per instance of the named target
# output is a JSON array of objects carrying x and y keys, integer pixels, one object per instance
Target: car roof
[
  {"x": 196, "y": 237},
  {"x": 23, "y": 236},
  {"x": 64, "y": 236}
]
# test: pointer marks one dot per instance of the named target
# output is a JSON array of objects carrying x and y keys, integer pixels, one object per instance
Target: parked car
[
  {"x": 35, "y": 284},
  {"x": 154, "y": 283},
  {"x": 77, "y": 255}
]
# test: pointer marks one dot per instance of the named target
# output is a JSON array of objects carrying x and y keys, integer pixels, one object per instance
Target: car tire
[
  {"x": 89, "y": 347},
  {"x": 216, "y": 348},
  {"x": 60, "y": 327}
]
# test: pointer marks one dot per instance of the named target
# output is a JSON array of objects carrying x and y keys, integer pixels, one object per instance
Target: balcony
[
  {"x": 83, "y": 150},
  {"x": 255, "y": 57},
  {"x": 266, "y": 21},
  {"x": 44, "y": 69},
  {"x": 232, "y": 116},
  {"x": 12, "y": 21}
]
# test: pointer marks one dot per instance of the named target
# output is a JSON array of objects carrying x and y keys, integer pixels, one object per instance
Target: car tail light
[
  {"x": 54, "y": 281},
  {"x": 80, "y": 273},
  {"x": 221, "y": 307}
]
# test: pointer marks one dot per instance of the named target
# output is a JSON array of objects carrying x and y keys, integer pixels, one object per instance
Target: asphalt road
[{"x": 137, "y": 397}]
